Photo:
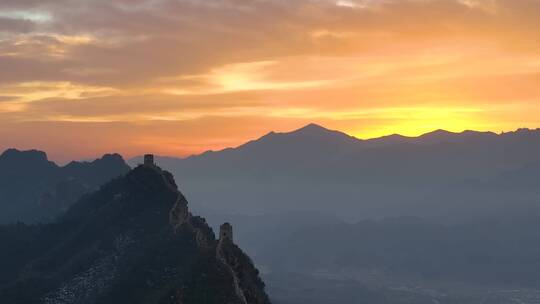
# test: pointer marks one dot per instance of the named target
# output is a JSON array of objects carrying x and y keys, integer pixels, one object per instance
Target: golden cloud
[{"x": 367, "y": 67}]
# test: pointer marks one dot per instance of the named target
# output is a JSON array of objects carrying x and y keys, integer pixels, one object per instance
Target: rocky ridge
[{"x": 133, "y": 241}]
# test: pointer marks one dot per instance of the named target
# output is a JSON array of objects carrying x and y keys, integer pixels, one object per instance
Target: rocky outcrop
[
  {"x": 179, "y": 214},
  {"x": 238, "y": 290},
  {"x": 246, "y": 282}
]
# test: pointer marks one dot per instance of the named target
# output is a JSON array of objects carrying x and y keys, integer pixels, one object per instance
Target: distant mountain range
[
  {"x": 32, "y": 188},
  {"x": 437, "y": 174},
  {"x": 132, "y": 241}
]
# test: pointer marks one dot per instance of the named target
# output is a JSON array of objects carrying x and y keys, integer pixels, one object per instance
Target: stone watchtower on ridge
[
  {"x": 226, "y": 232},
  {"x": 149, "y": 160}
]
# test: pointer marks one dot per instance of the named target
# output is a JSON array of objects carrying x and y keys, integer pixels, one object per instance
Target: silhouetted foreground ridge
[{"x": 133, "y": 241}]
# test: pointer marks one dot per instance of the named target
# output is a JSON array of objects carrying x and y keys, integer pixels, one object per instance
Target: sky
[{"x": 79, "y": 78}]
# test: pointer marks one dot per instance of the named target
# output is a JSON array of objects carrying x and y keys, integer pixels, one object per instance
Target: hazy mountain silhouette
[
  {"x": 347, "y": 216},
  {"x": 33, "y": 188},
  {"x": 133, "y": 241},
  {"x": 328, "y": 171}
]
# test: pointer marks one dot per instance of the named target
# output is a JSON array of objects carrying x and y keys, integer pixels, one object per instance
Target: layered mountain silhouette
[
  {"x": 345, "y": 216},
  {"x": 133, "y": 241},
  {"x": 317, "y": 169},
  {"x": 32, "y": 188}
]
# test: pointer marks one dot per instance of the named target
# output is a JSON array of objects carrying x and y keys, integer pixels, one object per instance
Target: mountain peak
[
  {"x": 30, "y": 155},
  {"x": 31, "y": 160},
  {"x": 112, "y": 157},
  {"x": 312, "y": 128},
  {"x": 106, "y": 159},
  {"x": 310, "y": 131},
  {"x": 438, "y": 132},
  {"x": 306, "y": 137}
]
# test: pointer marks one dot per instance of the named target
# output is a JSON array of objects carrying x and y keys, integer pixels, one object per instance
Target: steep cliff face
[
  {"x": 248, "y": 286},
  {"x": 133, "y": 241}
]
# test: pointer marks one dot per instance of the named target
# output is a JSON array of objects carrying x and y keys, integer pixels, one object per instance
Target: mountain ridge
[
  {"x": 315, "y": 130},
  {"x": 132, "y": 241},
  {"x": 35, "y": 188},
  {"x": 390, "y": 176}
]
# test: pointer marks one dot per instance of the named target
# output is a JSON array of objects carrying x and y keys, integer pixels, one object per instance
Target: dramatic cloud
[{"x": 182, "y": 76}]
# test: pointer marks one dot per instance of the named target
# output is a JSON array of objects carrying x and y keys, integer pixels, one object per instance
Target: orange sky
[{"x": 176, "y": 77}]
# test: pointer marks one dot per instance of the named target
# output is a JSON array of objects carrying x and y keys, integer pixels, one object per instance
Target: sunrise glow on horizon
[{"x": 80, "y": 80}]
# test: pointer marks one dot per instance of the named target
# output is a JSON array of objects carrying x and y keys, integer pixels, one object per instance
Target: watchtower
[
  {"x": 226, "y": 232},
  {"x": 149, "y": 160}
]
